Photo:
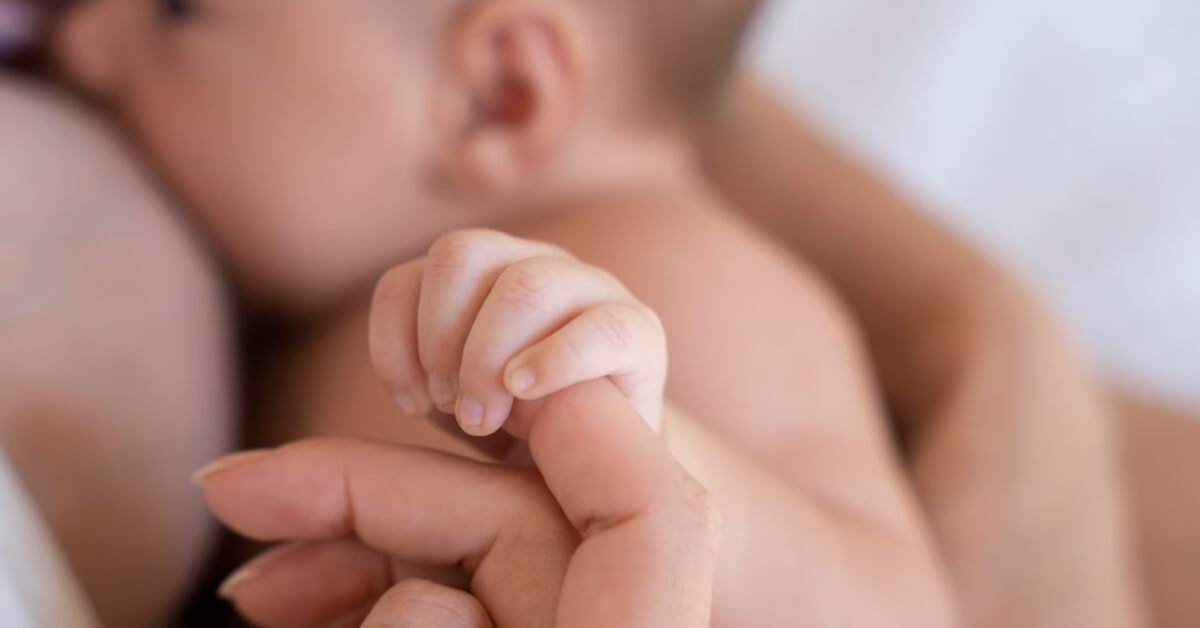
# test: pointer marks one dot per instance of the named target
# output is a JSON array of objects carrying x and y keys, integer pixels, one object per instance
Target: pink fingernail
[
  {"x": 407, "y": 402},
  {"x": 227, "y": 463},
  {"x": 255, "y": 568},
  {"x": 470, "y": 415},
  {"x": 230, "y": 584},
  {"x": 521, "y": 381},
  {"x": 444, "y": 392}
]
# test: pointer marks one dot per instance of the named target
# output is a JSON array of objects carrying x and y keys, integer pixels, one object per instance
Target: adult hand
[{"x": 613, "y": 532}]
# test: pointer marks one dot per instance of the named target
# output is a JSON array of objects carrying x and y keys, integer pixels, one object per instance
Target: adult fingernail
[
  {"x": 226, "y": 464},
  {"x": 520, "y": 380},
  {"x": 470, "y": 415},
  {"x": 235, "y": 579},
  {"x": 444, "y": 392},
  {"x": 255, "y": 568}
]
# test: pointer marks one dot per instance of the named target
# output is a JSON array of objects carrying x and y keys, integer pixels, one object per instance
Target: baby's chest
[{"x": 750, "y": 328}]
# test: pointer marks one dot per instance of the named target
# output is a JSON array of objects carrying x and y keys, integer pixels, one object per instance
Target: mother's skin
[{"x": 114, "y": 357}]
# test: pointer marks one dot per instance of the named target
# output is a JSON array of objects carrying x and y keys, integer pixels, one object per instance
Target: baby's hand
[{"x": 487, "y": 318}]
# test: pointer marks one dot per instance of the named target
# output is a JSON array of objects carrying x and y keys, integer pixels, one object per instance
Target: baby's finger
[
  {"x": 458, "y": 275},
  {"x": 530, "y": 300},
  {"x": 622, "y": 341},
  {"x": 393, "y": 333}
]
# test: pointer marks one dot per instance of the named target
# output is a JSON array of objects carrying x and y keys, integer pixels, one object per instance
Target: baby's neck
[
  {"x": 679, "y": 194},
  {"x": 649, "y": 171}
]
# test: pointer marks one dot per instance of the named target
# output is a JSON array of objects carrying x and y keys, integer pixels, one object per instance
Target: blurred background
[{"x": 1062, "y": 136}]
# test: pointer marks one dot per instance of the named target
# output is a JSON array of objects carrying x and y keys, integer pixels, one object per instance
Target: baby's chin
[
  {"x": 273, "y": 282},
  {"x": 294, "y": 279}
]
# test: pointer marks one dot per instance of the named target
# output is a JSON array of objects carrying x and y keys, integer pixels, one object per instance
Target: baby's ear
[{"x": 512, "y": 93}]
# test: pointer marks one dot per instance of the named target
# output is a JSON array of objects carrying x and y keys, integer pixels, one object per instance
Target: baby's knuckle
[
  {"x": 611, "y": 280},
  {"x": 460, "y": 250},
  {"x": 570, "y": 349},
  {"x": 382, "y": 359},
  {"x": 614, "y": 324},
  {"x": 525, "y": 285},
  {"x": 553, "y": 250},
  {"x": 391, "y": 285},
  {"x": 652, "y": 320},
  {"x": 701, "y": 510},
  {"x": 474, "y": 373}
]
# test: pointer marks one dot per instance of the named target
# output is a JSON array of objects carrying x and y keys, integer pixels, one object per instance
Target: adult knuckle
[
  {"x": 425, "y": 602},
  {"x": 410, "y": 590}
]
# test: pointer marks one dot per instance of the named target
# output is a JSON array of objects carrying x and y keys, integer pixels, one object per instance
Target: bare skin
[
  {"x": 790, "y": 339},
  {"x": 941, "y": 323},
  {"x": 114, "y": 357},
  {"x": 1159, "y": 446},
  {"x": 835, "y": 192}
]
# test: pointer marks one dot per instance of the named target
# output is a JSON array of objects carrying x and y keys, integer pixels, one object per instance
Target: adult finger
[
  {"x": 320, "y": 583},
  {"x": 650, "y": 531},
  {"x": 414, "y": 505},
  {"x": 424, "y": 604}
]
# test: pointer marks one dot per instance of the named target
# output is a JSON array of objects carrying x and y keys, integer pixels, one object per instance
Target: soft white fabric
[
  {"x": 1061, "y": 135},
  {"x": 36, "y": 589}
]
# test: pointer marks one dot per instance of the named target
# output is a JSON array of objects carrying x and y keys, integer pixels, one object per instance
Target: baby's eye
[{"x": 178, "y": 9}]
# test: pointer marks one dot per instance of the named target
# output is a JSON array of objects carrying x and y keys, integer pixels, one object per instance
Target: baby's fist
[{"x": 487, "y": 318}]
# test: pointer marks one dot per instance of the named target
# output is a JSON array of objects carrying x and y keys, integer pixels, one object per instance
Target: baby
[{"x": 319, "y": 142}]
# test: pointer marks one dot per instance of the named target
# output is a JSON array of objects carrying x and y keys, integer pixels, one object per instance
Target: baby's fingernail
[
  {"x": 520, "y": 380},
  {"x": 225, "y": 464},
  {"x": 407, "y": 402},
  {"x": 470, "y": 415},
  {"x": 444, "y": 392}
]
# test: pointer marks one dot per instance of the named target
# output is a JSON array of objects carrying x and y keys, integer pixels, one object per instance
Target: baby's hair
[{"x": 688, "y": 47}]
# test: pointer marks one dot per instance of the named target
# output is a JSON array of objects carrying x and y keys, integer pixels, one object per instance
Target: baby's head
[{"x": 320, "y": 140}]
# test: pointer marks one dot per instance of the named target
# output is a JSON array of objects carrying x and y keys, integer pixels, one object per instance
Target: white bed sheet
[
  {"x": 1063, "y": 136},
  {"x": 36, "y": 588}
]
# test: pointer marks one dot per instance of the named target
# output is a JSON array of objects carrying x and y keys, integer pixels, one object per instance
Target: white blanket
[
  {"x": 36, "y": 589},
  {"x": 1063, "y": 136}
]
